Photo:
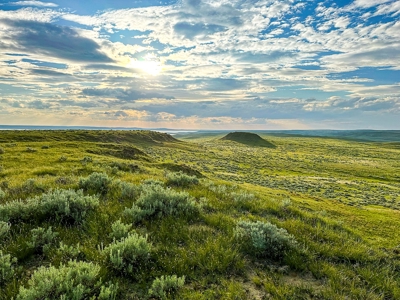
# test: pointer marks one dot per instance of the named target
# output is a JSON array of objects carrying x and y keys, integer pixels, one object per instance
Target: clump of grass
[
  {"x": 96, "y": 183},
  {"x": 264, "y": 239},
  {"x": 157, "y": 201},
  {"x": 45, "y": 147},
  {"x": 41, "y": 239},
  {"x": 165, "y": 286},
  {"x": 120, "y": 230},
  {"x": 7, "y": 267},
  {"x": 181, "y": 179},
  {"x": 127, "y": 254},
  {"x": 30, "y": 149},
  {"x": 60, "y": 205},
  {"x": 2, "y": 151},
  {"x": 76, "y": 280}
]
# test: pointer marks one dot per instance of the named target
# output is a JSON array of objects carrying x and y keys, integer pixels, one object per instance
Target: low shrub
[
  {"x": 152, "y": 181},
  {"x": 2, "y": 194},
  {"x": 42, "y": 239},
  {"x": 120, "y": 230},
  {"x": 181, "y": 179},
  {"x": 7, "y": 267},
  {"x": 242, "y": 196},
  {"x": 264, "y": 239},
  {"x": 127, "y": 254},
  {"x": 2, "y": 151},
  {"x": 30, "y": 149},
  {"x": 67, "y": 253},
  {"x": 4, "y": 229},
  {"x": 157, "y": 201},
  {"x": 45, "y": 147},
  {"x": 61, "y": 205},
  {"x": 129, "y": 191},
  {"x": 76, "y": 280},
  {"x": 165, "y": 286},
  {"x": 96, "y": 183}
]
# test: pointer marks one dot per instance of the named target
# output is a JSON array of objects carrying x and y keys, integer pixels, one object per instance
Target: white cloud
[{"x": 33, "y": 3}]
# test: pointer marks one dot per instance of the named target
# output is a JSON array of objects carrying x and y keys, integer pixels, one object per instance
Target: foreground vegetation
[{"x": 141, "y": 215}]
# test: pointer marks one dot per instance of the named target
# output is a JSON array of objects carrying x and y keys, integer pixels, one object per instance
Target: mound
[{"x": 248, "y": 138}]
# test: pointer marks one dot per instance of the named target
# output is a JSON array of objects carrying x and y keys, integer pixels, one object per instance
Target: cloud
[
  {"x": 190, "y": 30},
  {"x": 50, "y": 40},
  {"x": 123, "y": 94},
  {"x": 33, "y": 3}
]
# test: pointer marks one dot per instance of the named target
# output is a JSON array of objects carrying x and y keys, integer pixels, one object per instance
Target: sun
[{"x": 149, "y": 64}]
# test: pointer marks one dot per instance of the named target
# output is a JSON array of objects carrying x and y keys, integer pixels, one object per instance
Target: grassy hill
[
  {"x": 247, "y": 138},
  {"x": 141, "y": 215}
]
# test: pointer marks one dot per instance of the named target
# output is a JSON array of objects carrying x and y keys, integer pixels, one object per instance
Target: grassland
[{"x": 178, "y": 205}]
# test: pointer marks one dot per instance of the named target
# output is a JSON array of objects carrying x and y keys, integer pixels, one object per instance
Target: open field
[{"x": 142, "y": 215}]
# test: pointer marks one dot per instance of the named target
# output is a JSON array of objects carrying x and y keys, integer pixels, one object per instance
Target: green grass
[{"x": 339, "y": 200}]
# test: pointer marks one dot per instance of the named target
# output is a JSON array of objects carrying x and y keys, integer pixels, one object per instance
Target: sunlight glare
[{"x": 150, "y": 64}]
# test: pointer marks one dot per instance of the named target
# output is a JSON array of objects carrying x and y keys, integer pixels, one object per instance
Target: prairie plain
[{"x": 144, "y": 215}]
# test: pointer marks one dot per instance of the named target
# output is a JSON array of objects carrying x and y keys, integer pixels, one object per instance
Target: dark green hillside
[
  {"x": 102, "y": 136},
  {"x": 248, "y": 138}
]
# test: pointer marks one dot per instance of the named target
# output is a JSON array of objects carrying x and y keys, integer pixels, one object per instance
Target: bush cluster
[
  {"x": 181, "y": 179},
  {"x": 96, "y": 182},
  {"x": 61, "y": 205},
  {"x": 7, "y": 269},
  {"x": 264, "y": 239},
  {"x": 76, "y": 280},
  {"x": 165, "y": 286},
  {"x": 2, "y": 193},
  {"x": 128, "y": 253},
  {"x": 157, "y": 201}
]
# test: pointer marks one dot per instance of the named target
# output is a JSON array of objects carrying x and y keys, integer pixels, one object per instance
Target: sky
[{"x": 190, "y": 64}]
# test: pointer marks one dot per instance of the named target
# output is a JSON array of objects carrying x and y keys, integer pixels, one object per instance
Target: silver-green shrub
[
  {"x": 2, "y": 194},
  {"x": 152, "y": 181},
  {"x": 68, "y": 252},
  {"x": 165, "y": 286},
  {"x": 158, "y": 201},
  {"x": 4, "y": 229},
  {"x": 58, "y": 204},
  {"x": 126, "y": 254},
  {"x": 42, "y": 239},
  {"x": 120, "y": 230},
  {"x": 242, "y": 196},
  {"x": 181, "y": 179},
  {"x": 76, "y": 280},
  {"x": 129, "y": 191},
  {"x": 7, "y": 267},
  {"x": 264, "y": 239},
  {"x": 96, "y": 182}
]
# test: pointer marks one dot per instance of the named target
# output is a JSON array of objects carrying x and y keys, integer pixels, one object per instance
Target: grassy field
[{"x": 142, "y": 215}]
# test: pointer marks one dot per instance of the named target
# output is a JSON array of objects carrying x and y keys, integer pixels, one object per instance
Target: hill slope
[
  {"x": 248, "y": 138},
  {"x": 103, "y": 136}
]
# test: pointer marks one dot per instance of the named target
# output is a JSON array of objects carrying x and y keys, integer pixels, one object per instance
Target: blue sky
[{"x": 192, "y": 64}]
